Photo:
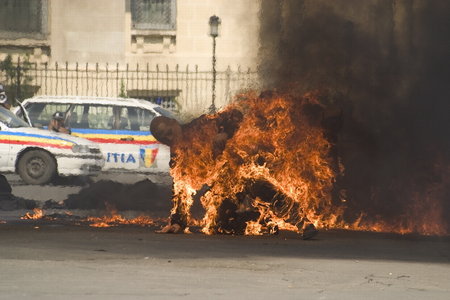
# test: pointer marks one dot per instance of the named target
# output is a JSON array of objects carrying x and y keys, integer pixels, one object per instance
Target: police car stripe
[
  {"x": 11, "y": 133},
  {"x": 36, "y": 139},
  {"x": 34, "y": 143},
  {"x": 109, "y": 131},
  {"x": 41, "y": 140},
  {"x": 148, "y": 138},
  {"x": 21, "y": 138},
  {"x": 115, "y": 136},
  {"x": 118, "y": 141}
]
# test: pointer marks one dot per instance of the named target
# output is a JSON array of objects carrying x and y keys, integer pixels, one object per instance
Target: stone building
[
  {"x": 153, "y": 49},
  {"x": 130, "y": 31}
]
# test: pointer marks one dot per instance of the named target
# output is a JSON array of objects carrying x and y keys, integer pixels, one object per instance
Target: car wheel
[{"x": 36, "y": 167}]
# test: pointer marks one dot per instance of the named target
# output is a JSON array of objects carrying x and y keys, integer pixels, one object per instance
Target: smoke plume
[{"x": 383, "y": 70}]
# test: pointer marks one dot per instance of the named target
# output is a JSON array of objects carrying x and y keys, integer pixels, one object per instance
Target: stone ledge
[
  {"x": 24, "y": 42},
  {"x": 153, "y": 41},
  {"x": 152, "y": 32}
]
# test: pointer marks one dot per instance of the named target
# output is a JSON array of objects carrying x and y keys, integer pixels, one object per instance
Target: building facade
[
  {"x": 130, "y": 31},
  {"x": 121, "y": 39}
]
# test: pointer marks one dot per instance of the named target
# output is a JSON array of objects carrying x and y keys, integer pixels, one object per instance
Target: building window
[
  {"x": 153, "y": 14},
  {"x": 23, "y": 19}
]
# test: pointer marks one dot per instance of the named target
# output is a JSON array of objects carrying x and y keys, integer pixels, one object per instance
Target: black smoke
[{"x": 382, "y": 68}]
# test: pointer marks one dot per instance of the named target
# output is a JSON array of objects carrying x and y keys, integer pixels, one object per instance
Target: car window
[
  {"x": 41, "y": 113},
  {"x": 140, "y": 118},
  {"x": 91, "y": 116},
  {"x": 110, "y": 117},
  {"x": 120, "y": 119}
]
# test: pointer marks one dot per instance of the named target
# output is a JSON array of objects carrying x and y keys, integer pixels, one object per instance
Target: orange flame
[
  {"x": 37, "y": 214},
  {"x": 113, "y": 219},
  {"x": 279, "y": 146},
  {"x": 275, "y": 145},
  {"x": 116, "y": 220}
]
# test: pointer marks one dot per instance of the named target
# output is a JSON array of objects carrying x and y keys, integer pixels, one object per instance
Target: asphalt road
[
  {"x": 50, "y": 261},
  {"x": 56, "y": 260}
]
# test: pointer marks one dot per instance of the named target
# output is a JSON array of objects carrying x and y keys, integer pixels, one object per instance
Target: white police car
[
  {"x": 120, "y": 126},
  {"x": 38, "y": 155}
]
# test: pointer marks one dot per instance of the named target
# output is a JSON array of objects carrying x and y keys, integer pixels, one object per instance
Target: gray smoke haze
[{"x": 383, "y": 68}]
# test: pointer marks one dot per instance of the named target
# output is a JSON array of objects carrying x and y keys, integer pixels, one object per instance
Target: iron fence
[{"x": 184, "y": 89}]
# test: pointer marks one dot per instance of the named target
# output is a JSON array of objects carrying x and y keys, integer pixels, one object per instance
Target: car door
[
  {"x": 94, "y": 122},
  {"x": 11, "y": 138},
  {"x": 123, "y": 134},
  {"x": 153, "y": 156},
  {"x": 108, "y": 126},
  {"x": 5, "y": 147}
]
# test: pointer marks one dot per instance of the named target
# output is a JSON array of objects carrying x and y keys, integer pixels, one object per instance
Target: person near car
[
  {"x": 4, "y": 98},
  {"x": 178, "y": 137},
  {"x": 57, "y": 123}
]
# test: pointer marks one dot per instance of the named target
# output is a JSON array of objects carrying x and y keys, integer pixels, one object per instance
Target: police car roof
[{"x": 93, "y": 100}]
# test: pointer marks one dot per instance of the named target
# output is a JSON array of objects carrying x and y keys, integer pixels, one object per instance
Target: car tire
[{"x": 36, "y": 167}]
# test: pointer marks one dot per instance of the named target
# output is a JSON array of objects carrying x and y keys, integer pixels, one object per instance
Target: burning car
[{"x": 39, "y": 155}]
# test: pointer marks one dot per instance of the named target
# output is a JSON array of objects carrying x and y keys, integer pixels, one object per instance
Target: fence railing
[{"x": 186, "y": 89}]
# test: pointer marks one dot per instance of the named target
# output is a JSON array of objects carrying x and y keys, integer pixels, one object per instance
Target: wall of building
[
  {"x": 87, "y": 31},
  {"x": 100, "y": 31},
  {"x": 236, "y": 45}
]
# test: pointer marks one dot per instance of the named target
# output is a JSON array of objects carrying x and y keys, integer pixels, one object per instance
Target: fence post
[
  {"x": 18, "y": 89},
  {"x": 187, "y": 85},
  {"x": 137, "y": 76},
  {"x": 67, "y": 80},
  {"x": 57, "y": 78},
  {"x": 126, "y": 75},
  {"x": 227, "y": 84},
  {"x": 46, "y": 69},
  {"x": 35, "y": 76},
  {"x": 117, "y": 79},
  {"x": 107, "y": 81},
  {"x": 176, "y": 76},
  {"x": 76, "y": 78},
  {"x": 167, "y": 80},
  {"x": 96, "y": 79},
  {"x": 147, "y": 77},
  {"x": 87, "y": 79},
  {"x": 157, "y": 79},
  {"x": 195, "y": 87},
  {"x": 177, "y": 103}
]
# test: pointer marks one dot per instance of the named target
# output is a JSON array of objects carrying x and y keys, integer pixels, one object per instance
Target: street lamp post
[{"x": 214, "y": 23}]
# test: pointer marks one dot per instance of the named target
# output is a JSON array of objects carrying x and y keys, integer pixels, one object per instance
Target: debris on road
[{"x": 143, "y": 195}]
